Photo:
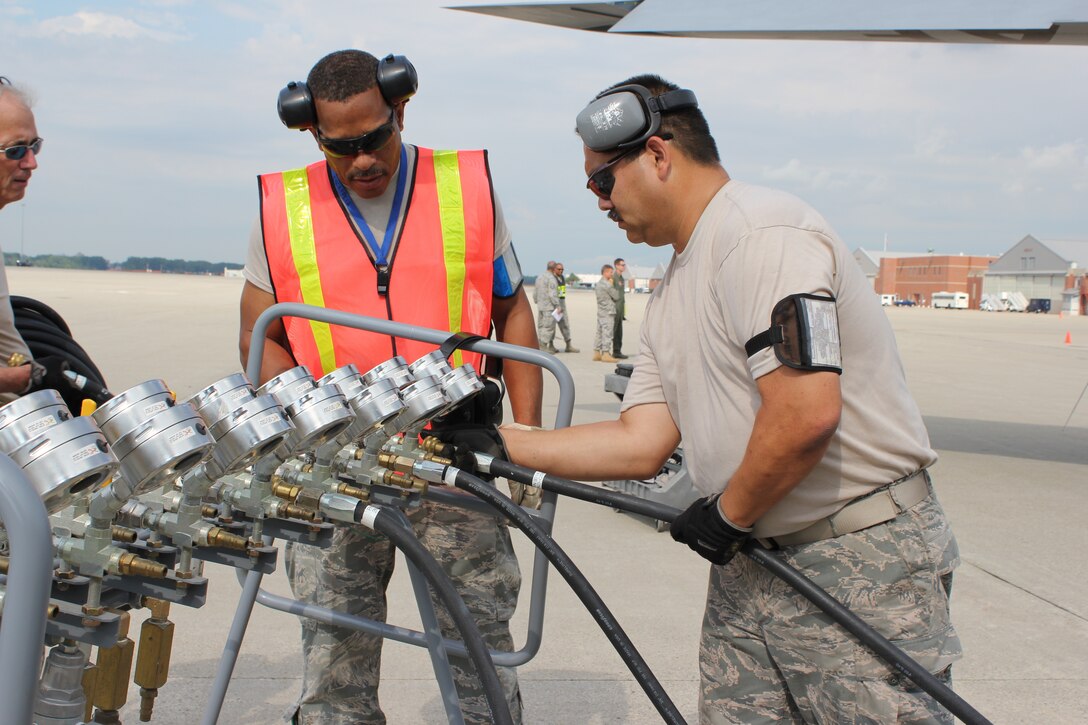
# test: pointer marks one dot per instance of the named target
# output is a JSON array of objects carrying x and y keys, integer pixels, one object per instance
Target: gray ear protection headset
[
  {"x": 397, "y": 81},
  {"x": 626, "y": 116}
]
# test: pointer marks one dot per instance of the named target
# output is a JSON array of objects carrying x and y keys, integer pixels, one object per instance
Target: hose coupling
[
  {"x": 224, "y": 539},
  {"x": 432, "y": 471},
  {"x": 120, "y": 533},
  {"x": 354, "y": 491},
  {"x": 483, "y": 462},
  {"x": 338, "y": 507},
  {"x": 394, "y": 462},
  {"x": 132, "y": 565},
  {"x": 286, "y": 491}
]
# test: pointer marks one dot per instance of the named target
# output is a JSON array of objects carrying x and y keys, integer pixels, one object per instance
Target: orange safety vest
[{"x": 447, "y": 242}]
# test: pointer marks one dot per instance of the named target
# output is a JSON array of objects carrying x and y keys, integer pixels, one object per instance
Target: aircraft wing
[{"x": 1057, "y": 22}]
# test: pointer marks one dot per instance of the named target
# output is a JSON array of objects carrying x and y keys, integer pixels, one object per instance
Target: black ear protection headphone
[
  {"x": 397, "y": 81},
  {"x": 627, "y": 116}
]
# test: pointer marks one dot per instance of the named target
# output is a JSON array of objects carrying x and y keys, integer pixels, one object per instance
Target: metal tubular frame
[
  {"x": 29, "y": 580},
  {"x": 251, "y": 591}
]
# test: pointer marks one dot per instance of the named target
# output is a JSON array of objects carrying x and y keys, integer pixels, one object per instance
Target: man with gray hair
[{"x": 20, "y": 145}]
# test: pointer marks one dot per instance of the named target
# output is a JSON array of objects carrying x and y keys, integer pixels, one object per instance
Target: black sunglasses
[
  {"x": 602, "y": 180},
  {"x": 368, "y": 143},
  {"x": 18, "y": 151}
]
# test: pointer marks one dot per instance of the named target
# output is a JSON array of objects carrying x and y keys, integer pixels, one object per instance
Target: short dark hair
[
  {"x": 604, "y": 267},
  {"x": 343, "y": 74},
  {"x": 617, "y": 260},
  {"x": 688, "y": 126}
]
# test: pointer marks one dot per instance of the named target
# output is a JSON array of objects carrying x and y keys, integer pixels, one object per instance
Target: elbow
[{"x": 820, "y": 428}]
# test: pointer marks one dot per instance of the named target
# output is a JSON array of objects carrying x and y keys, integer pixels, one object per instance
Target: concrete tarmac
[{"x": 1001, "y": 396}]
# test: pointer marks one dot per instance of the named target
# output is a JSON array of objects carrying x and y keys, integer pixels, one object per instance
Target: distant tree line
[{"x": 132, "y": 264}]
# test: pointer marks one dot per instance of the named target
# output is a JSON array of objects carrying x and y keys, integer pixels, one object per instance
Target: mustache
[
  {"x": 614, "y": 215},
  {"x": 369, "y": 173}
]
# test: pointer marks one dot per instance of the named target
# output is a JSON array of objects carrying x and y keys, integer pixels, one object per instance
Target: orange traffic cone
[{"x": 1068, "y": 338}]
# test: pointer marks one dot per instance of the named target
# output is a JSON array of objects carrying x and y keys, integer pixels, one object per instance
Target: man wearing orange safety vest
[{"x": 386, "y": 229}]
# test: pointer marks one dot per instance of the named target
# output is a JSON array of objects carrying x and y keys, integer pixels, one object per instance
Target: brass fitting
[
  {"x": 114, "y": 665},
  {"x": 286, "y": 491},
  {"x": 51, "y": 610},
  {"x": 225, "y": 539},
  {"x": 291, "y": 511},
  {"x": 353, "y": 491},
  {"x": 392, "y": 461},
  {"x": 130, "y": 564},
  {"x": 208, "y": 511},
  {"x": 440, "y": 459},
  {"x": 3, "y": 565},
  {"x": 90, "y": 682},
  {"x": 430, "y": 444},
  {"x": 120, "y": 533},
  {"x": 309, "y": 498},
  {"x": 400, "y": 480},
  {"x": 153, "y": 660}
]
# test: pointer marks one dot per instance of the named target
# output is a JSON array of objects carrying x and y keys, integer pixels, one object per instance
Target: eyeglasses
[
  {"x": 18, "y": 151},
  {"x": 368, "y": 143},
  {"x": 602, "y": 179}
]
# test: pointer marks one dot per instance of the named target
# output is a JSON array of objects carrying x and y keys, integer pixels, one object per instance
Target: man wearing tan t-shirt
[{"x": 767, "y": 351}]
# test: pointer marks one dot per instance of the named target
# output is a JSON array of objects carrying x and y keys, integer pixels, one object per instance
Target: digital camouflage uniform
[
  {"x": 546, "y": 296},
  {"x": 621, "y": 311},
  {"x": 477, "y": 555},
  {"x": 564, "y": 322},
  {"x": 606, "y": 315},
  {"x": 831, "y": 677}
]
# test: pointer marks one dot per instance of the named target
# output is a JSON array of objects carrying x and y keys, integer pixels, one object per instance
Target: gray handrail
[
  {"x": 251, "y": 591},
  {"x": 30, "y": 574}
]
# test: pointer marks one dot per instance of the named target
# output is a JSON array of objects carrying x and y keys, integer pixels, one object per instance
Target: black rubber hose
[
  {"x": 41, "y": 330},
  {"x": 833, "y": 608},
  {"x": 68, "y": 347},
  {"x": 20, "y": 303},
  {"x": 581, "y": 586},
  {"x": 478, "y": 653}
]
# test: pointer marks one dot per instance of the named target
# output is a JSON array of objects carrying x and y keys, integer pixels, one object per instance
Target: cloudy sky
[{"x": 158, "y": 114}]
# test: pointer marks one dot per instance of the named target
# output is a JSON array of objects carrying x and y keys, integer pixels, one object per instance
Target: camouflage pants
[
  {"x": 564, "y": 324},
  {"x": 767, "y": 655},
  {"x": 545, "y": 327},
  {"x": 341, "y": 666},
  {"x": 602, "y": 342}
]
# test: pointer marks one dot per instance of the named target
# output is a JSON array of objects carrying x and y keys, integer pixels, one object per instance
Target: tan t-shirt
[{"x": 751, "y": 248}]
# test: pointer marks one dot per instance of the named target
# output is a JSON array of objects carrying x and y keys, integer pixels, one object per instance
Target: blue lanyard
[{"x": 394, "y": 212}]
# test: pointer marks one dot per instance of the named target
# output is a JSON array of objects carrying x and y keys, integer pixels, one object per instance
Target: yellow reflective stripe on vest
[
  {"x": 300, "y": 228},
  {"x": 451, "y": 215}
]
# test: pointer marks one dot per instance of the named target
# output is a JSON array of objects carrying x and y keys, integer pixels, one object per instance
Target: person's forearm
[
  {"x": 634, "y": 446},
  {"x": 14, "y": 380},
  {"x": 274, "y": 360},
  {"x": 525, "y": 382},
  {"x": 788, "y": 439}
]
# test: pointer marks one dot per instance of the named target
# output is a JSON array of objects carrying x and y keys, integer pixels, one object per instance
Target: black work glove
[
  {"x": 467, "y": 438},
  {"x": 703, "y": 528},
  {"x": 47, "y": 373}
]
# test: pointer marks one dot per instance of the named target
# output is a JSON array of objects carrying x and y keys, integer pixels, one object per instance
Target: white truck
[{"x": 949, "y": 300}]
